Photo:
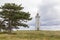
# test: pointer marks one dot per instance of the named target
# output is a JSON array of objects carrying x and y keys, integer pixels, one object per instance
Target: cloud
[
  {"x": 50, "y": 12},
  {"x": 29, "y": 6}
]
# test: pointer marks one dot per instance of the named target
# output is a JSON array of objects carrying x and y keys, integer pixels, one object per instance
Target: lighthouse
[{"x": 37, "y": 22}]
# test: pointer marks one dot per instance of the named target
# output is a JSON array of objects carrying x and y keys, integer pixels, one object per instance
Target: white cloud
[
  {"x": 29, "y": 5},
  {"x": 50, "y": 12}
]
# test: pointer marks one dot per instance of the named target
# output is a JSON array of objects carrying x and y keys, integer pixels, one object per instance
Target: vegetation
[
  {"x": 14, "y": 16},
  {"x": 31, "y": 35}
]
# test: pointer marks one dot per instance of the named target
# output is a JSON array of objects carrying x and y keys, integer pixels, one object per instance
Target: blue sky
[{"x": 49, "y": 10}]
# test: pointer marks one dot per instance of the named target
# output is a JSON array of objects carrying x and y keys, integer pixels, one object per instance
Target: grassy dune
[{"x": 31, "y": 35}]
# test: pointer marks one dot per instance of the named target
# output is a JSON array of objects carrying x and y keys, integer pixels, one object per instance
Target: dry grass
[{"x": 31, "y": 35}]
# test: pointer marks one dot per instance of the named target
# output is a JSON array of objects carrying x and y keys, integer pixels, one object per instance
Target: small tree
[{"x": 14, "y": 15}]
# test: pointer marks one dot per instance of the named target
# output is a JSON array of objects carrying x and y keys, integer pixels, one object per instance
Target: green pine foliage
[{"x": 14, "y": 16}]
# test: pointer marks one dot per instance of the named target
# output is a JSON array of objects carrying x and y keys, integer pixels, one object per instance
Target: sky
[
  {"x": 49, "y": 11},
  {"x": 30, "y": 6}
]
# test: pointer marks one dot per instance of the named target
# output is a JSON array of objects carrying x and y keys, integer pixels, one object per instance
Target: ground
[{"x": 31, "y": 35}]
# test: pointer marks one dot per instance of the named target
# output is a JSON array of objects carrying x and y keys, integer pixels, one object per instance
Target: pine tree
[{"x": 14, "y": 15}]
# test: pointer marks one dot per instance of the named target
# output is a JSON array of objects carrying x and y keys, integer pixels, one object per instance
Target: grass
[{"x": 31, "y": 35}]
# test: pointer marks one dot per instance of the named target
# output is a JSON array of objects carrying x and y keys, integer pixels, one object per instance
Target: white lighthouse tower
[{"x": 37, "y": 21}]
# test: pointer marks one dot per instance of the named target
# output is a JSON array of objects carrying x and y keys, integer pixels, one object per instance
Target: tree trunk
[
  {"x": 9, "y": 27},
  {"x": 0, "y": 29}
]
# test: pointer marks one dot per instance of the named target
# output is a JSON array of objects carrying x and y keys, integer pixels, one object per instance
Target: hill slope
[{"x": 31, "y": 35}]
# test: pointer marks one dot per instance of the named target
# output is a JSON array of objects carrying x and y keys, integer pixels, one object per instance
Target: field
[{"x": 31, "y": 35}]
